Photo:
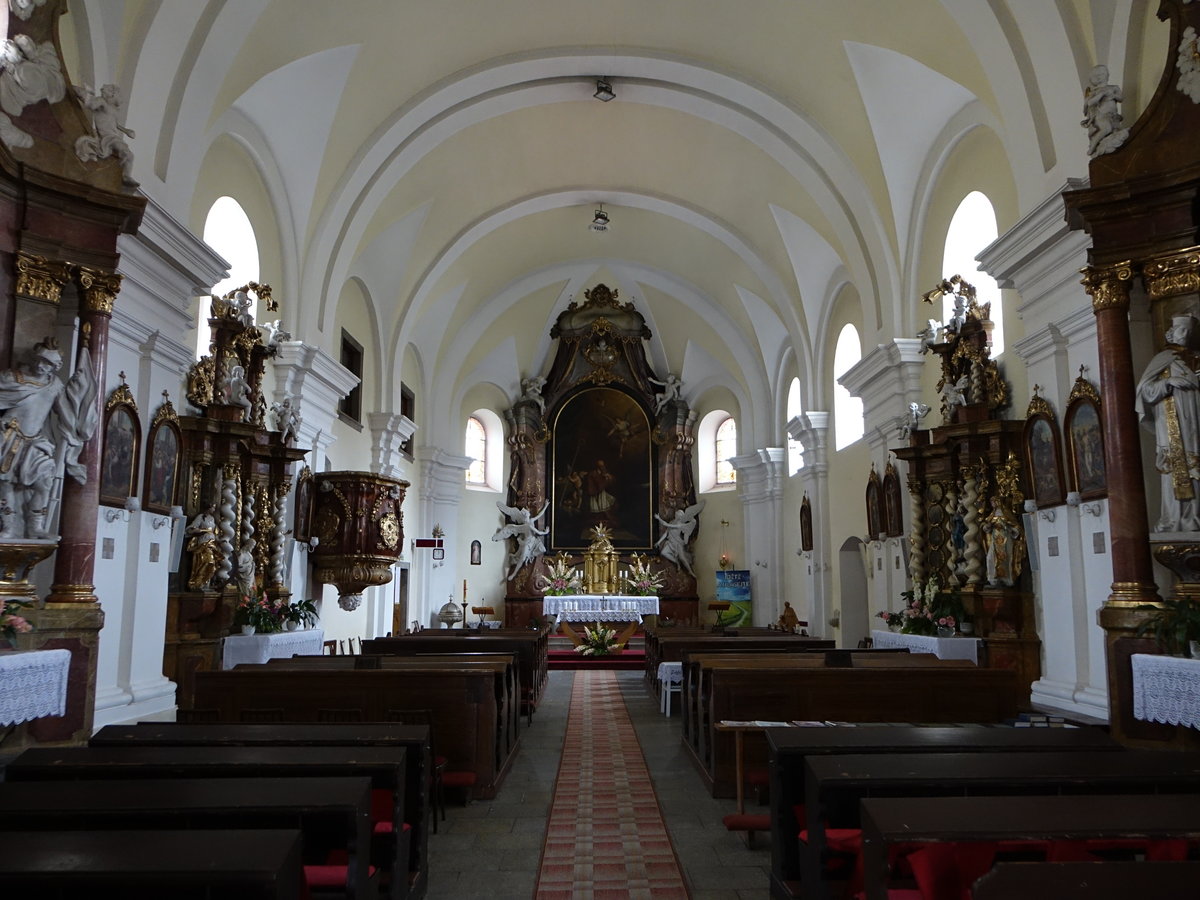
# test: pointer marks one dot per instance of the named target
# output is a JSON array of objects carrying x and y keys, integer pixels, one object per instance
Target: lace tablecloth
[
  {"x": 1166, "y": 689},
  {"x": 33, "y": 684},
  {"x": 670, "y": 681},
  {"x": 258, "y": 648},
  {"x": 599, "y": 607},
  {"x": 943, "y": 648}
]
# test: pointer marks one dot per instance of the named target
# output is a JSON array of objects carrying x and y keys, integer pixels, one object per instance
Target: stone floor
[{"x": 492, "y": 849}]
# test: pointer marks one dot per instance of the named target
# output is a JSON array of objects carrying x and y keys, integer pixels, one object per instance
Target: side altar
[{"x": 601, "y": 445}]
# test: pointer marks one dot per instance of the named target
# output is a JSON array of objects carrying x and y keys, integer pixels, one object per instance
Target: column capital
[
  {"x": 99, "y": 289},
  {"x": 40, "y": 278},
  {"x": 1108, "y": 286}
]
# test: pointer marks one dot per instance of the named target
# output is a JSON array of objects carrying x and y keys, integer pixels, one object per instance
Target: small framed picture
[
  {"x": 874, "y": 507},
  {"x": 893, "y": 501},
  {"x": 476, "y": 553},
  {"x": 1085, "y": 443},
  {"x": 806, "y": 532},
  {"x": 1043, "y": 455},
  {"x": 122, "y": 445}
]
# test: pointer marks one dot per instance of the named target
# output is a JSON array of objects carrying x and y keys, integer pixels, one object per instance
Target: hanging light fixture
[
  {"x": 600, "y": 220},
  {"x": 604, "y": 91}
]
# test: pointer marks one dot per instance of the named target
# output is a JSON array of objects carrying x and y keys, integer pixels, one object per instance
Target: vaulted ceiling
[{"x": 772, "y": 168}]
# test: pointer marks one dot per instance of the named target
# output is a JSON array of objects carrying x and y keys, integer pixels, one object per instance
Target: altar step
[{"x": 569, "y": 659}]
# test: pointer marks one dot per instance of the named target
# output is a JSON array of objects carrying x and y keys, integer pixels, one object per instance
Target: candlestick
[{"x": 464, "y": 591}]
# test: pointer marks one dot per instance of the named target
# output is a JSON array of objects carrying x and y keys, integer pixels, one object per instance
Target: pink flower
[{"x": 19, "y": 625}]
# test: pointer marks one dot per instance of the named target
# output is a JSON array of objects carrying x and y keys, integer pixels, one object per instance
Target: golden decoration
[
  {"x": 1084, "y": 388},
  {"x": 40, "y": 278},
  {"x": 1038, "y": 405},
  {"x": 201, "y": 378},
  {"x": 1008, "y": 483},
  {"x": 389, "y": 530},
  {"x": 327, "y": 525},
  {"x": 121, "y": 396},
  {"x": 165, "y": 412},
  {"x": 1108, "y": 286},
  {"x": 197, "y": 483},
  {"x": 100, "y": 289},
  {"x": 1167, "y": 276}
]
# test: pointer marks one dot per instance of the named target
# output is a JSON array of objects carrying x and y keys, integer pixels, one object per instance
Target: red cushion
[
  {"x": 936, "y": 872},
  {"x": 1174, "y": 850},
  {"x": 328, "y": 876},
  {"x": 747, "y": 822},
  {"x": 458, "y": 778},
  {"x": 386, "y": 827},
  {"x": 757, "y": 777},
  {"x": 843, "y": 840},
  {"x": 382, "y": 805}
]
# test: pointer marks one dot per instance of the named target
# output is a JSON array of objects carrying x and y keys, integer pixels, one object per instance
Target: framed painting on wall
[
  {"x": 1085, "y": 442},
  {"x": 122, "y": 444},
  {"x": 1043, "y": 454},
  {"x": 162, "y": 460},
  {"x": 893, "y": 515},
  {"x": 874, "y": 507},
  {"x": 302, "y": 527},
  {"x": 806, "y": 531}
]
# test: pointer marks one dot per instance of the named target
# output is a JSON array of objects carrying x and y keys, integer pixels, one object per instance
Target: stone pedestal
[{"x": 70, "y": 628}]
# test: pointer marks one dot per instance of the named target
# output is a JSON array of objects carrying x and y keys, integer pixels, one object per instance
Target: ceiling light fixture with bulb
[
  {"x": 604, "y": 91},
  {"x": 600, "y": 221}
]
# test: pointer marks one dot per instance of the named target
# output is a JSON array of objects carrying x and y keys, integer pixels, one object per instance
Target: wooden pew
[
  {"x": 413, "y": 740},
  {"x": 531, "y": 647},
  {"x": 384, "y": 766},
  {"x": 237, "y": 864},
  {"x": 664, "y": 647},
  {"x": 835, "y": 785},
  {"x": 1087, "y": 880},
  {"x": 938, "y": 819},
  {"x": 332, "y": 813},
  {"x": 461, "y": 699},
  {"x": 789, "y": 748},
  {"x": 943, "y": 691}
]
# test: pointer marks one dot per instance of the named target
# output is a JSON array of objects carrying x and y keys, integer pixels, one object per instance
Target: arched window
[
  {"x": 725, "y": 446},
  {"x": 972, "y": 228},
  {"x": 476, "y": 448},
  {"x": 227, "y": 230},
  {"x": 848, "y": 424},
  {"x": 794, "y": 409}
]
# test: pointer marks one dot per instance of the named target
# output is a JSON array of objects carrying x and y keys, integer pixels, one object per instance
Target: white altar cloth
[
  {"x": 34, "y": 684},
  {"x": 1166, "y": 689},
  {"x": 258, "y": 648},
  {"x": 943, "y": 648},
  {"x": 599, "y": 607},
  {"x": 670, "y": 681}
]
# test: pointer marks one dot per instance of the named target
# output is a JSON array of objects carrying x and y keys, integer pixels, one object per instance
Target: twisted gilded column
[
  {"x": 972, "y": 540},
  {"x": 916, "y": 535},
  {"x": 74, "y": 565},
  {"x": 1133, "y": 573}
]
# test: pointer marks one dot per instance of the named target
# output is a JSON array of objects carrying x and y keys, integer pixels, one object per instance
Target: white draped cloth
[
  {"x": 1166, "y": 689},
  {"x": 942, "y": 648},
  {"x": 258, "y": 648},
  {"x": 33, "y": 684},
  {"x": 599, "y": 607}
]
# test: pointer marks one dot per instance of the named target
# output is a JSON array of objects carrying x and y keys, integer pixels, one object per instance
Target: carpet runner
[{"x": 606, "y": 837}]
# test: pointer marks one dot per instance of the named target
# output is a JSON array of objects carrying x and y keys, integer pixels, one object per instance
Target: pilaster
[
  {"x": 389, "y": 432},
  {"x": 812, "y": 430},
  {"x": 760, "y": 479},
  {"x": 443, "y": 478}
]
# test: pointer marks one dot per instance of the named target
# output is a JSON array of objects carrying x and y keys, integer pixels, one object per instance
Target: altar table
[
  {"x": 258, "y": 648},
  {"x": 942, "y": 648},
  {"x": 35, "y": 684},
  {"x": 599, "y": 608},
  {"x": 1166, "y": 689}
]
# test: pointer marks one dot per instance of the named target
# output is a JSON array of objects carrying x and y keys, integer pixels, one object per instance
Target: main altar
[{"x": 601, "y": 445}]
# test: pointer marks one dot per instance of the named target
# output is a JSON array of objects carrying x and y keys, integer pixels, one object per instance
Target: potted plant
[
  {"x": 301, "y": 614},
  {"x": 598, "y": 641},
  {"x": 255, "y": 613},
  {"x": 1174, "y": 624},
  {"x": 639, "y": 581}
]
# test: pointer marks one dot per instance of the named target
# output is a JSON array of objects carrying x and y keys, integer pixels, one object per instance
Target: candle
[{"x": 464, "y": 589}]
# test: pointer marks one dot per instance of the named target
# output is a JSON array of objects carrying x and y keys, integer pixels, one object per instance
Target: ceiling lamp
[
  {"x": 604, "y": 91},
  {"x": 600, "y": 220}
]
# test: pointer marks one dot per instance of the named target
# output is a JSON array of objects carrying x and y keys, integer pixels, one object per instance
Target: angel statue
[
  {"x": 916, "y": 412},
  {"x": 670, "y": 392},
  {"x": 524, "y": 528},
  {"x": 677, "y": 534}
]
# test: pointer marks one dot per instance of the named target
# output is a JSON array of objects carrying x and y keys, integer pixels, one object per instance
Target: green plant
[
  {"x": 259, "y": 612},
  {"x": 562, "y": 580},
  {"x": 302, "y": 612},
  {"x": 1174, "y": 623},
  {"x": 598, "y": 641},
  {"x": 639, "y": 581},
  {"x": 925, "y": 609}
]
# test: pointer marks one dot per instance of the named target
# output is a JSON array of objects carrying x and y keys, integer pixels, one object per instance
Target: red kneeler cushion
[
  {"x": 382, "y": 803},
  {"x": 947, "y": 871},
  {"x": 747, "y": 822},
  {"x": 329, "y": 876},
  {"x": 386, "y": 827},
  {"x": 840, "y": 840}
]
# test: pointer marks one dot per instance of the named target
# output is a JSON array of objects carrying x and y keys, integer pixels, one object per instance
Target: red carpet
[
  {"x": 569, "y": 659},
  {"x": 606, "y": 837}
]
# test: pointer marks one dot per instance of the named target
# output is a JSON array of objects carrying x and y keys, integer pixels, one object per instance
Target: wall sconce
[
  {"x": 132, "y": 505},
  {"x": 1090, "y": 509},
  {"x": 311, "y": 544},
  {"x": 159, "y": 521},
  {"x": 1048, "y": 514},
  {"x": 604, "y": 91}
]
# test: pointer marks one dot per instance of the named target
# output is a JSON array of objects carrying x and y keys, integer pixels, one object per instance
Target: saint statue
[
  {"x": 1004, "y": 539},
  {"x": 1168, "y": 401},
  {"x": 202, "y": 545}
]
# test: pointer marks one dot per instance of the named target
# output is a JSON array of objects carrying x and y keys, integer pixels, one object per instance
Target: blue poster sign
[{"x": 733, "y": 587}]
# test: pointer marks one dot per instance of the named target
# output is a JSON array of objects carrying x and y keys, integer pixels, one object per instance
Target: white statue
[
  {"x": 1101, "y": 117},
  {"x": 959, "y": 318},
  {"x": 234, "y": 390},
  {"x": 44, "y": 424},
  {"x": 677, "y": 534},
  {"x": 274, "y": 334},
  {"x": 23, "y": 9},
  {"x": 929, "y": 335},
  {"x": 670, "y": 391},
  {"x": 245, "y": 308},
  {"x": 524, "y": 529},
  {"x": 245, "y": 569},
  {"x": 531, "y": 389},
  {"x": 287, "y": 420},
  {"x": 1168, "y": 401},
  {"x": 31, "y": 73},
  {"x": 955, "y": 394},
  {"x": 916, "y": 412},
  {"x": 108, "y": 137}
]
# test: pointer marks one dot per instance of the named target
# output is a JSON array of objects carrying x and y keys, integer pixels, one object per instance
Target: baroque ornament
[{"x": 1188, "y": 64}]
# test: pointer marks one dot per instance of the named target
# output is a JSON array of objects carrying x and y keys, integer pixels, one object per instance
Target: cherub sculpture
[{"x": 524, "y": 528}]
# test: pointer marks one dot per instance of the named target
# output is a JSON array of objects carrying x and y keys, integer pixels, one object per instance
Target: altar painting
[{"x": 602, "y": 471}]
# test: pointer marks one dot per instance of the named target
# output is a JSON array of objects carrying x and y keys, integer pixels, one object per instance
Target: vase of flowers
[
  {"x": 932, "y": 610},
  {"x": 11, "y": 622},
  {"x": 598, "y": 641},
  {"x": 301, "y": 614},
  {"x": 893, "y": 620},
  {"x": 562, "y": 579},
  {"x": 639, "y": 581},
  {"x": 258, "y": 612}
]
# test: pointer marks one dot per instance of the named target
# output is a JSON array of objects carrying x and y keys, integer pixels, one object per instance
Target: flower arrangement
[
  {"x": 640, "y": 581},
  {"x": 562, "y": 580},
  {"x": 891, "y": 619},
  {"x": 259, "y": 613},
  {"x": 303, "y": 613},
  {"x": 598, "y": 641},
  {"x": 925, "y": 610},
  {"x": 12, "y": 624}
]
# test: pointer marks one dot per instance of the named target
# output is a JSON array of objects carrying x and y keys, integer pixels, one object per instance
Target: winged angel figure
[
  {"x": 677, "y": 534},
  {"x": 524, "y": 528}
]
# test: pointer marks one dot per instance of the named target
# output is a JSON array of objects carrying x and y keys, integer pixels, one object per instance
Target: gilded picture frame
[
  {"x": 1043, "y": 455},
  {"x": 1085, "y": 447},
  {"x": 122, "y": 448}
]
